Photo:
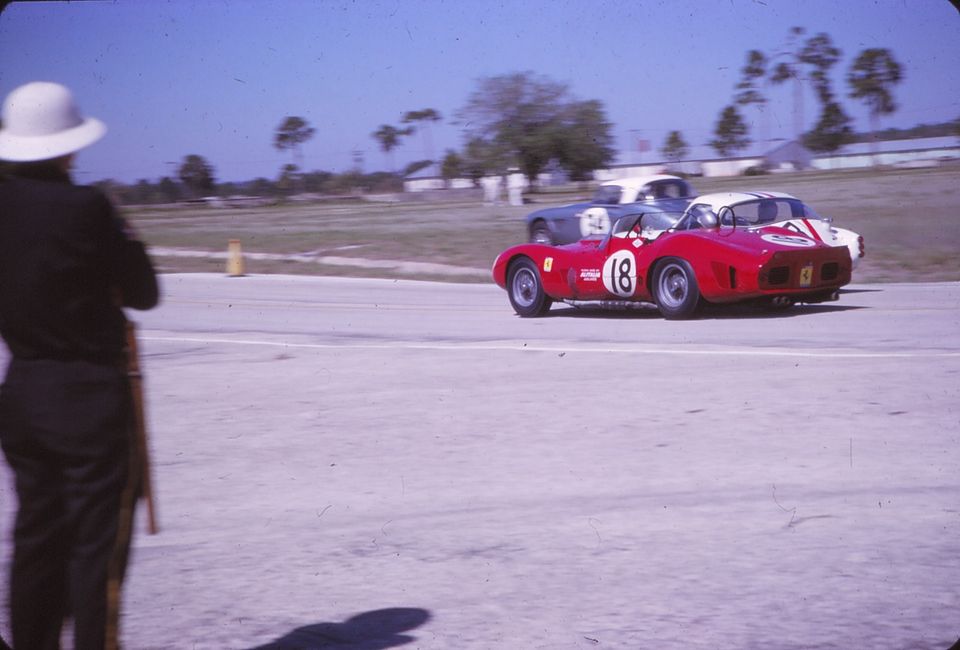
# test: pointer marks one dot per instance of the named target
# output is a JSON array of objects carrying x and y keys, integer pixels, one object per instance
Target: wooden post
[
  {"x": 140, "y": 426},
  {"x": 234, "y": 258}
]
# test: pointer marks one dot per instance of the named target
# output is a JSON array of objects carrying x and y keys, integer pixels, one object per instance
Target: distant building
[
  {"x": 793, "y": 156},
  {"x": 789, "y": 156},
  {"x": 430, "y": 178},
  {"x": 784, "y": 156},
  {"x": 915, "y": 152}
]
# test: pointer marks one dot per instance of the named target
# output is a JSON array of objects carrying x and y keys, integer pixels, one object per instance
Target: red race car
[{"x": 675, "y": 263}]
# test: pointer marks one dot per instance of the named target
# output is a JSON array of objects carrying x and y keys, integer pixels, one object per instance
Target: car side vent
[
  {"x": 779, "y": 275},
  {"x": 829, "y": 271},
  {"x": 733, "y": 278}
]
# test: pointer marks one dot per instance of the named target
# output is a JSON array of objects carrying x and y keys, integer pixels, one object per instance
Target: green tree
[
  {"x": 674, "y": 147},
  {"x": 262, "y": 187},
  {"x": 452, "y": 165},
  {"x": 730, "y": 132},
  {"x": 197, "y": 175},
  {"x": 820, "y": 54},
  {"x": 227, "y": 189},
  {"x": 169, "y": 190},
  {"x": 315, "y": 181},
  {"x": 753, "y": 72},
  {"x": 291, "y": 134},
  {"x": 871, "y": 77},
  {"x": 481, "y": 158},
  {"x": 288, "y": 180},
  {"x": 831, "y": 132},
  {"x": 425, "y": 117},
  {"x": 584, "y": 140},
  {"x": 142, "y": 193},
  {"x": 389, "y": 138},
  {"x": 522, "y": 119}
]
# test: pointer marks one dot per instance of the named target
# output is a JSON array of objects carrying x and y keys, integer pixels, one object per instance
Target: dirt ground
[{"x": 908, "y": 217}]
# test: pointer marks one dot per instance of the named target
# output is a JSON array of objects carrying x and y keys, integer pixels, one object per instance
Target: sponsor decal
[
  {"x": 789, "y": 240},
  {"x": 547, "y": 264},
  {"x": 590, "y": 275},
  {"x": 620, "y": 274},
  {"x": 594, "y": 221}
]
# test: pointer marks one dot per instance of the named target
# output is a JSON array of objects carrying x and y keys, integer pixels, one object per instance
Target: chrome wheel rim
[
  {"x": 674, "y": 286},
  {"x": 525, "y": 285}
]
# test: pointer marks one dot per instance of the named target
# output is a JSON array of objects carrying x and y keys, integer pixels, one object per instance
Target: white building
[{"x": 780, "y": 156}]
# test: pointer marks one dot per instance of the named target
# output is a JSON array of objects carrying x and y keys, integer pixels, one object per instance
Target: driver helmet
[
  {"x": 706, "y": 218},
  {"x": 767, "y": 211}
]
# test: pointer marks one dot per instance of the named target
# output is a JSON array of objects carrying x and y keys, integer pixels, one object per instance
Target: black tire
[
  {"x": 675, "y": 289},
  {"x": 540, "y": 234},
  {"x": 525, "y": 289}
]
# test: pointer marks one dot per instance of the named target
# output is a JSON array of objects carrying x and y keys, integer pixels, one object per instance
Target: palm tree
[
  {"x": 748, "y": 91},
  {"x": 291, "y": 134},
  {"x": 425, "y": 116},
  {"x": 871, "y": 76},
  {"x": 389, "y": 137},
  {"x": 674, "y": 147}
]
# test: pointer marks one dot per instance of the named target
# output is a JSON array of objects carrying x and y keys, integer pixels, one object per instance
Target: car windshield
[
  {"x": 652, "y": 221},
  {"x": 764, "y": 211},
  {"x": 607, "y": 194},
  {"x": 669, "y": 189}
]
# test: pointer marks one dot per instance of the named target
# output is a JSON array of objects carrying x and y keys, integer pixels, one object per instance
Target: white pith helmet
[{"x": 41, "y": 121}]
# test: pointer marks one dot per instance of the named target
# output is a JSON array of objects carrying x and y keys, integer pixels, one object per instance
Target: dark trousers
[{"x": 64, "y": 429}]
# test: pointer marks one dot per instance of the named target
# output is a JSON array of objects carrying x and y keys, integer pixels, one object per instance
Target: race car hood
[{"x": 762, "y": 240}]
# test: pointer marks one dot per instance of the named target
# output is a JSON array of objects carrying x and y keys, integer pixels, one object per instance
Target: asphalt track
[{"x": 373, "y": 464}]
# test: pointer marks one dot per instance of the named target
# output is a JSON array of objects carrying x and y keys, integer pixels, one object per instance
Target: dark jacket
[{"x": 67, "y": 261}]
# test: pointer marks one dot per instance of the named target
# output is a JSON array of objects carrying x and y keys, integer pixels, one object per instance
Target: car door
[{"x": 615, "y": 269}]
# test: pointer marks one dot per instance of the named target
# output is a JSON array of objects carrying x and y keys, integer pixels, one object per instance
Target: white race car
[{"x": 755, "y": 210}]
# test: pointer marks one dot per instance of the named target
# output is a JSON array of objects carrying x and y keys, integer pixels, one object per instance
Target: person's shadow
[{"x": 376, "y": 630}]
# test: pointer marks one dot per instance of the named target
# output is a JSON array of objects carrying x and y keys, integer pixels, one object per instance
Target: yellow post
[{"x": 234, "y": 258}]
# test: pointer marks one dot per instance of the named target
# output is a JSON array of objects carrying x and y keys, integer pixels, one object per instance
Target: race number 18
[{"x": 620, "y": 274}]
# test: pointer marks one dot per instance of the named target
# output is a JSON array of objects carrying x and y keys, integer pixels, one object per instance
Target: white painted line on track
[{"x": 525, "y": 347}]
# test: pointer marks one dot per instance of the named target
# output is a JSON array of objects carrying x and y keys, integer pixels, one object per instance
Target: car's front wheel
[
  {"x": 675, "y": 289},
  {"x": 525, "y": 289}
]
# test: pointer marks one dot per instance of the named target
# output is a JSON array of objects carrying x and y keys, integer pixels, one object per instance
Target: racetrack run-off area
[
  {"x": 393, "y": 463},
  {"x": 906, "y": 216}
]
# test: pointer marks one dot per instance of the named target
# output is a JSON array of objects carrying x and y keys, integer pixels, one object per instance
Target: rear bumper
[{"x": 800, "y": 273}]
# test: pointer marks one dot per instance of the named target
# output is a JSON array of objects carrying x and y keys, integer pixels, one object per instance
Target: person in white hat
[{"x": 68, "y": 264}]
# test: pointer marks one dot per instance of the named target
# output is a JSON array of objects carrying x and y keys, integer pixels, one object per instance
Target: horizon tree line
[{"x": 530, "y": 122}]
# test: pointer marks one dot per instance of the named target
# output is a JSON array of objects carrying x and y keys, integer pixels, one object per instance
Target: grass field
[{"x": 910, "y": 219}]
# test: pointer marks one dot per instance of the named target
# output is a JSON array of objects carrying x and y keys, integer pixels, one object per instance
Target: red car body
[{"x": 676, "y": 269}]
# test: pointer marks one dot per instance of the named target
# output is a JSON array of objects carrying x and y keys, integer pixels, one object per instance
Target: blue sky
[{"x": 216, "y": 77}]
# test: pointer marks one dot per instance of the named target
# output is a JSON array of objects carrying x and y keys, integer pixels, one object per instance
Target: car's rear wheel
[
  {"x": 540, "y": 234},
  {"x": 675, "y": 289},
  {"x": 525, "y": 289}
]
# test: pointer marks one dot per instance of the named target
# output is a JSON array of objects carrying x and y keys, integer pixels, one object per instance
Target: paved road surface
[{"x": 404, "y": 464}]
